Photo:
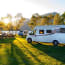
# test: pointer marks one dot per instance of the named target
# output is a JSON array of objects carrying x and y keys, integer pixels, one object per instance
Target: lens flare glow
[{"x": 6, "y": 21}]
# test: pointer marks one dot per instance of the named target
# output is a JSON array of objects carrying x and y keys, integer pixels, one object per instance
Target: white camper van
[{"x": 51, "y": 33}]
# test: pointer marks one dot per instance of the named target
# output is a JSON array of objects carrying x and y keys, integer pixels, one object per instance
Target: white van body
[{"x": 48, "y": 33}]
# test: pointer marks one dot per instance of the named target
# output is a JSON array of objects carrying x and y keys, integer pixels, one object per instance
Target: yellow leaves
[
  {"x": 56, "y": 19},
  {"x": 2, "y": 24},
  {"x": 44, "y": 21},
  {"x": 14, "y": 28},
  {"x": 34, "y": 21}
]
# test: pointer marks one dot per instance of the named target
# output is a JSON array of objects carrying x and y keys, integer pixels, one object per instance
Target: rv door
[
  {"x": 33, "y": 35},
  {"x": 39, "y": 36}
]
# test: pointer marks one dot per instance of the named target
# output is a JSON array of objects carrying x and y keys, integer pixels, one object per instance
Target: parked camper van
[
  {"x": 23, "y": 33},
  {"x": 51, "y": 33}
]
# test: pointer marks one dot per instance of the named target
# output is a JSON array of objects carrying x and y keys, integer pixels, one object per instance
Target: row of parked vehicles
[
  {"x": 51, "y": 34},
  {"x": 23, "y": 33},
  {"x": 6, "y": 34}
]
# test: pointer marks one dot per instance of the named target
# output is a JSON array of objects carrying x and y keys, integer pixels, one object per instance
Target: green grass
[
  {"x": 57, "y": 52},
  {"x": 46, "y": 54},
  {"x": 23, "y": 57},
  {"x": 6, "y": 56},
  {"x": 16, "y": 51},
  {"x": 7, "y": 40}
]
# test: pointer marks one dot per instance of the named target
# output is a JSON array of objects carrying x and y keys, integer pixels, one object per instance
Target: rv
[
  {"x": 23, "y": 33},
  {"x": 51, "y": 33}
]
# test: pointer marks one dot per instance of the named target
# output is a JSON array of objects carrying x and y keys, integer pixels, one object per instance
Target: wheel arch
[{"x": 56, "y": 40}]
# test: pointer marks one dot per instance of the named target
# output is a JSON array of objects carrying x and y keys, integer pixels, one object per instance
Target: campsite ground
[{"x": 16, "y": 51}]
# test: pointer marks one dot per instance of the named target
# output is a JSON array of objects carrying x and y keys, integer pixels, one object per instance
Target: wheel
[
  {"x": 55, "y": 43},
  {"x": 29, "y": 40}
]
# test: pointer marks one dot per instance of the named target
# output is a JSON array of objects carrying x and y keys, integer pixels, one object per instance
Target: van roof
[{"x": 50, "y": 27}]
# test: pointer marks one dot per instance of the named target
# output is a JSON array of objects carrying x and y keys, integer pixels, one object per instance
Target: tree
[
  {"x": 63, "y": 15},
  {"x": 10, "y": 17},
  {"x": 10, "y": 26},
  {"x": 56, "y": 19},
  {"x": 63, "y": 18},
  {"x": 19, "y": 20},
  {"x": 44, "y": 21},
  {"x": 2, "y": 25},
  {"x": 51, "y": 18},
  {"x": 35, "y": 20}
]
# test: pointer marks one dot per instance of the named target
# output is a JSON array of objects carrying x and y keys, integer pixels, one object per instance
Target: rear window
[
  {"x": 41, "y": 31},
  {"x": 62, "y": 30}
]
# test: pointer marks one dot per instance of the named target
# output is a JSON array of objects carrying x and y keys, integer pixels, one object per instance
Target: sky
[{"x": 29, "y": 7}]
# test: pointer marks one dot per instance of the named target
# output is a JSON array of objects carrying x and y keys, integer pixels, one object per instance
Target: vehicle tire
[
  {"x": 55, "y": 43},
  {"x": 29, "y": 40}
]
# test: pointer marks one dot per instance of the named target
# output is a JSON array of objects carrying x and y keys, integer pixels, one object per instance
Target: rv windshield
[{"x": 32, "y": 32}]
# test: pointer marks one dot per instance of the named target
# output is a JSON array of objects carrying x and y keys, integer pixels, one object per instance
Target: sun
[{"x": 6, "y": 21}]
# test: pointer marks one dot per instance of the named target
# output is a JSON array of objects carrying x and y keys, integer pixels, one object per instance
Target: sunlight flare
[{"x": 6, "y": 21}]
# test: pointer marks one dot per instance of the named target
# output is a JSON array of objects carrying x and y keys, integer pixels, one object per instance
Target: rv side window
[
  {"x": 49, "y": 31},
  {"x": 62, "y": 30},
  {"x": 41, "y": 31}
]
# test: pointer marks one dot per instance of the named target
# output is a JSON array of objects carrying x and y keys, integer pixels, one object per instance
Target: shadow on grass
[
  {"x": 11, "y": 58},
  {"x": 41, "y": 63},
  {"x": 55, "y": 52},
  {"x": 7, "y": 44},
  {"x": 7, "y": 40},
  {"x": 20, "y": 53}
]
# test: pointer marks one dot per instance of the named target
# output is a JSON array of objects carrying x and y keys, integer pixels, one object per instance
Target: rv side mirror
[{"x": 31, "y": 33}]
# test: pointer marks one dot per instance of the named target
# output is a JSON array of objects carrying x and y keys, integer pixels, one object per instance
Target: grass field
[{"x": 16, "y": 51}]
